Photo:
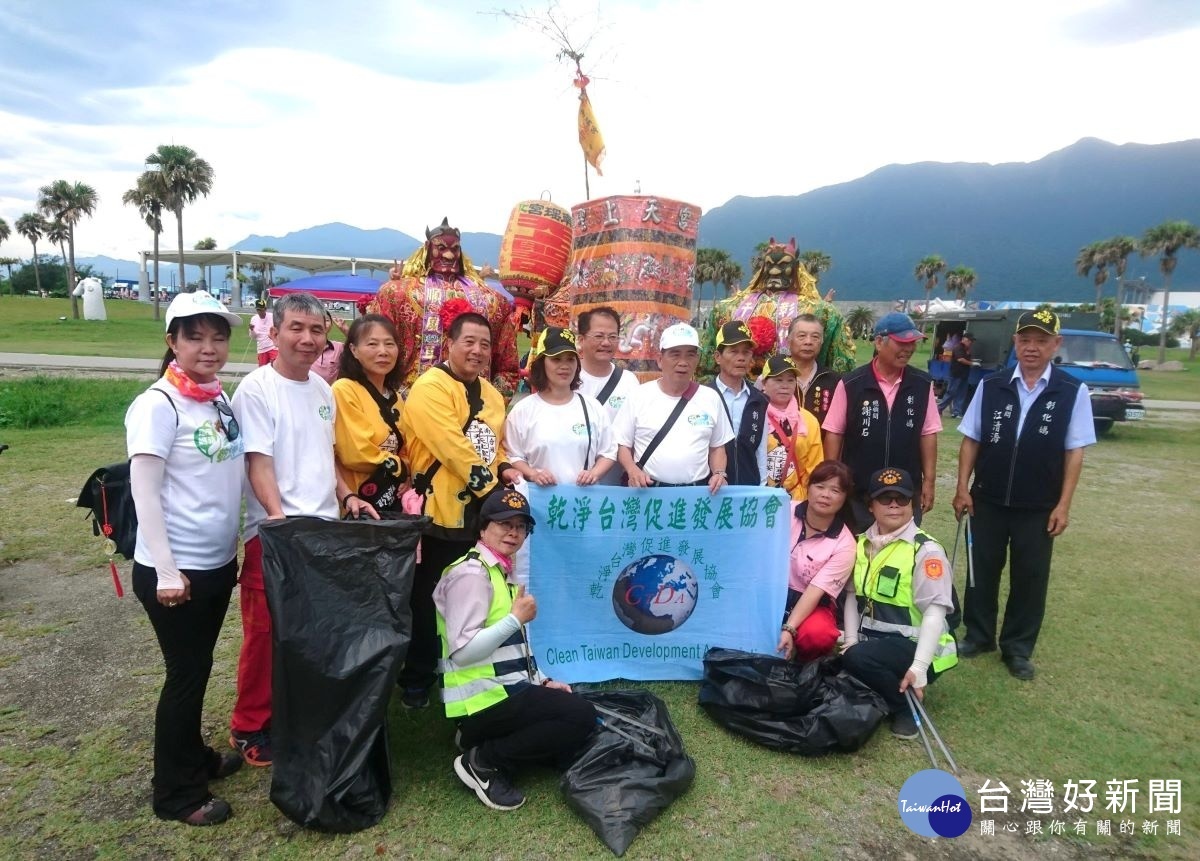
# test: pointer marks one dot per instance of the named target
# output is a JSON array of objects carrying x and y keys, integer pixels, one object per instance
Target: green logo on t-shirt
[{"x": 325, "y": 412}]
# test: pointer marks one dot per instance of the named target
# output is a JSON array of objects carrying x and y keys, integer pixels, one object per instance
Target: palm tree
[
  {"x": 56, "y": 232},
  {"x": 5, "y": 232},
  {"x": 1166, "y": 239},
  {"x": 149, "y": 195},
  {"x": 714, "y": 266},
  {"x": 815, "y": 262},
  {"x": 206, "y": 244},
  {"x": 8, "y": 263},
  {"x": 860, "y": 321},
  {"x": 1188, "y": 323},
  {"x": 1119, "y": 250},
  {"x": 33, "y": 227},
  {"x": 927, "y": 271},
  {"x": 1093, "y": 256},
  {"x": 69, "y": 203},
  {"x": 186, "y": 177},
  {"x": 960, "y": 280}
]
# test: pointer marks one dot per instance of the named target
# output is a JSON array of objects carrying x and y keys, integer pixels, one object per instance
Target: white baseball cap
[
  {"x": 679, "y": 335},
  {"x": 200, "y": 302}
]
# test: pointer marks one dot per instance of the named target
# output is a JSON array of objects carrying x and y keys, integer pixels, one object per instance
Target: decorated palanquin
[
  {"x": 413, "y": 296},
  {"x": 779, "y": 290},
  {"x": 637, "y": 255}
]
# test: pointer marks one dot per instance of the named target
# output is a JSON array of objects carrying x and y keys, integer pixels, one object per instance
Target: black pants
[
  {"x": 420, "y": 667},
  {"x": 1020, "y": 534},
  {"x": 535, "y": 725},
  {"x": 880, "y": 663},
  {"x": 187, "y": 634}
]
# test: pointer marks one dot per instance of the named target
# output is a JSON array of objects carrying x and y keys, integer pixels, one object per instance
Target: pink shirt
[
  {"x": 326, "y": 365},
  {"x": 835, "y": 419},
  {"x": 819, "y": 560},
  {"x": 260, "y": 328}
]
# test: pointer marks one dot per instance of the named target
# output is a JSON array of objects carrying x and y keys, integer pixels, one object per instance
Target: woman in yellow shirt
[{"x": 367, "y": 442}]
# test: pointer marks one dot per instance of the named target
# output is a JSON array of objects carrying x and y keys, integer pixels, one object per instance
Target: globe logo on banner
[
  {"x": 932, "y": 803},
  {"x": 655, "y": 594}
]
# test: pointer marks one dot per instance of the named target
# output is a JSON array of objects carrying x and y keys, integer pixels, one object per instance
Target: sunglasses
[
  {"x": 226, "y": 423},
  {"x": 892, "y": 499}
]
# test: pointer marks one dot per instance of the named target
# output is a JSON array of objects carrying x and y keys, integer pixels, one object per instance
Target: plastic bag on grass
[
  {"x": 630, "y": 769},
  {"x": 340, "y": 626},
  {"x": 810, "y": 709}
]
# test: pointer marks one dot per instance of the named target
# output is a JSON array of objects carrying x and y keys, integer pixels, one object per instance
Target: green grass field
[{"x": 1116, "y": 697}]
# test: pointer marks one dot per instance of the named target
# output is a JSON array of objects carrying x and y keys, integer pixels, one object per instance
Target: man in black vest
[
  {"x": 746, "y": 406},
  {"x": 885, "y": 414},
  {"x": 814, "y": 382},
  {"x": 1023, "y": 438}
]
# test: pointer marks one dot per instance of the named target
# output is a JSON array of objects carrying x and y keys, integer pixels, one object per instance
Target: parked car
[{"x": 1093, "y": 357}]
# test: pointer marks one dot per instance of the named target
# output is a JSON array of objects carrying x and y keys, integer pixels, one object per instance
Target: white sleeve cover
[
  {"x": 850, "y": 618},
  {"x": 486, "y": 641},
  {"x": 146, "y": 480},
  {"x": 927, "y": 639}
]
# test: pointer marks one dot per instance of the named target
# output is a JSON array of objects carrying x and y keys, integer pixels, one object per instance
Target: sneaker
[
  {"x": 903, "y": 725},
  {"x": 255, "y": 747},
  {"x": 415, "y": 698},
  {"x": 225, "y": 765},
  {"x": 491, "y": 785},
  {"x": 211, "y": 812}
]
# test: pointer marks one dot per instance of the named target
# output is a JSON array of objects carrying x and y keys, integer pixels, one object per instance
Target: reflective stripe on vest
[
  {"x": 896, "y": 614},
  {"x": 470, "y": 688}
]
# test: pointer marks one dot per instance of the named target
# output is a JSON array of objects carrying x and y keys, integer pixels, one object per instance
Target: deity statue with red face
[{"x": 437, "y": 272}]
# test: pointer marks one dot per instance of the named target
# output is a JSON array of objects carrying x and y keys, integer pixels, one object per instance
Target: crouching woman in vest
[
  {"x": 897, "y": 601},
  {"x": 508, "y": 713}
]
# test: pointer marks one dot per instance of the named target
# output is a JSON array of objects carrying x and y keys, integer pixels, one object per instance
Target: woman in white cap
[{"x": 186, "y": 471}]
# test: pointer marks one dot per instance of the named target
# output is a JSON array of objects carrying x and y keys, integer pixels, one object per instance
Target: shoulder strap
[
  {"x": 587, "y": 424},
  {"x": 687, "y": 395},
  {"x": 174, "y": 408},
  {"x": 610, "y": 386}
]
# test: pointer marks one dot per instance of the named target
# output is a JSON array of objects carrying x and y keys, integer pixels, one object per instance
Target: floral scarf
[{"x": 189, "y": 388}]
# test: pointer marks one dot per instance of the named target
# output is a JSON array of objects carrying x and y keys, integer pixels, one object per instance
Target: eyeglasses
[
  {"x": 226, "y": 423},
  {"x": 603, "y": 338},
  {"x": 514, "y": 524},
  {"x": 890, "y": 499}
]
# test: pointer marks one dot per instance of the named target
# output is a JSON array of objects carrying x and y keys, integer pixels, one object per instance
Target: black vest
[
  {"x": 741, "y": 452},
  {"x": 1023, "y": 471},
  {"x": 820, "y": 392},
  {"x": 876, "y": 436}
]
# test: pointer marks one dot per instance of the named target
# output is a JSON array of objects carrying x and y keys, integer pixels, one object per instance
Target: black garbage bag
[
  {"x": 630, "y": 769},
  {"x": 810, "y": 709},
  {"x": 338, "y": 594}
]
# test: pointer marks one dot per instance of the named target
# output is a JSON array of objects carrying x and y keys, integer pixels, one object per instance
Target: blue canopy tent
[{"x": 339, "y": 293}]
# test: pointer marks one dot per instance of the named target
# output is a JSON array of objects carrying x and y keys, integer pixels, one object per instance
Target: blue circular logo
[
  {"x": 932, "y": 803},
  {"x": 655, "y": 594}
]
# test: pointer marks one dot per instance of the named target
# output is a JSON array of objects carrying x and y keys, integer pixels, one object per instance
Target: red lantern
[{"x": 536, "y": 249}]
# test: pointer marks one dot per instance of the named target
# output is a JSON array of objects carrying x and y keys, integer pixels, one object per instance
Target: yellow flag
[{"x": 590, "y": 139}]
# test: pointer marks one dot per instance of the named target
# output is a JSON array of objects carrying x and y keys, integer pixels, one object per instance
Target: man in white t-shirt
[
  {"x": 286, "y": 415},
  {"x": 261, "y": 325},
  {"x": 692, "y": 452},
  {"x": 599, "y": 330}
]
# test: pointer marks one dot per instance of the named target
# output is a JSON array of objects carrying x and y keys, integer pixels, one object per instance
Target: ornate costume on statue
[
  {"x": 779, "y": 290},
  {"x": 413, "y": 297}
]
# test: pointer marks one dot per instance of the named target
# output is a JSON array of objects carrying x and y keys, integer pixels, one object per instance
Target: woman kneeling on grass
[
  {"x": 896, "y": 632},
  {"x": 821, "y": 562},
  {"x": 509, "y": 714},
  {"x": 186, "y": 471}
]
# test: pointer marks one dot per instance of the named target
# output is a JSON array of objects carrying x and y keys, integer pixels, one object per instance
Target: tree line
[{"x": 175, "y": 177}]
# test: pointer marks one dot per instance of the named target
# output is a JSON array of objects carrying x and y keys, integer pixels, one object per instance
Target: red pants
[
  {"x": 267, "y": 358},
  {"x": 252, "y": 708},
  {"x": 817, "y": 635}
]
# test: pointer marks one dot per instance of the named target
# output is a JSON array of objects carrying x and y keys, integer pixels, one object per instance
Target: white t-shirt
[
  {"x": 591, "y": 386},
  {"x": 202, "y": 480},
  {"x": 260, "y": 327},
  {"x": 554, "y": 437},
  {"x": 293, "y": 423},
  {"x": 682, "y": 457}
]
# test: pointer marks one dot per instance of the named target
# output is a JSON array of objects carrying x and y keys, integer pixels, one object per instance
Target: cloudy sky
[{"x": 393, "y": 113}]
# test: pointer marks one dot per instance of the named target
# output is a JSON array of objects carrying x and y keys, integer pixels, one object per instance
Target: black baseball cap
[
  {"x": 734, "y": 332},
  {"x": 890, "y": 480},
  {"x": 1045, "y": 320},
  {"x": 504, "y": 504},
  {"x": 554, "y": 341},
  {"x": 777, "y": 365}
]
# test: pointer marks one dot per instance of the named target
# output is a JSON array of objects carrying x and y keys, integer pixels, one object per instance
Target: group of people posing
[{"x": 856, "y": 455}]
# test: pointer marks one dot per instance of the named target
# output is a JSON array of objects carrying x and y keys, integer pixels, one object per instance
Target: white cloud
[{"x": 697, "y": 100}]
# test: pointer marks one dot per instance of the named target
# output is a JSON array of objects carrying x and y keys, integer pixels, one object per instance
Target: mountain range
[{"x": 1018, "y": 225}]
